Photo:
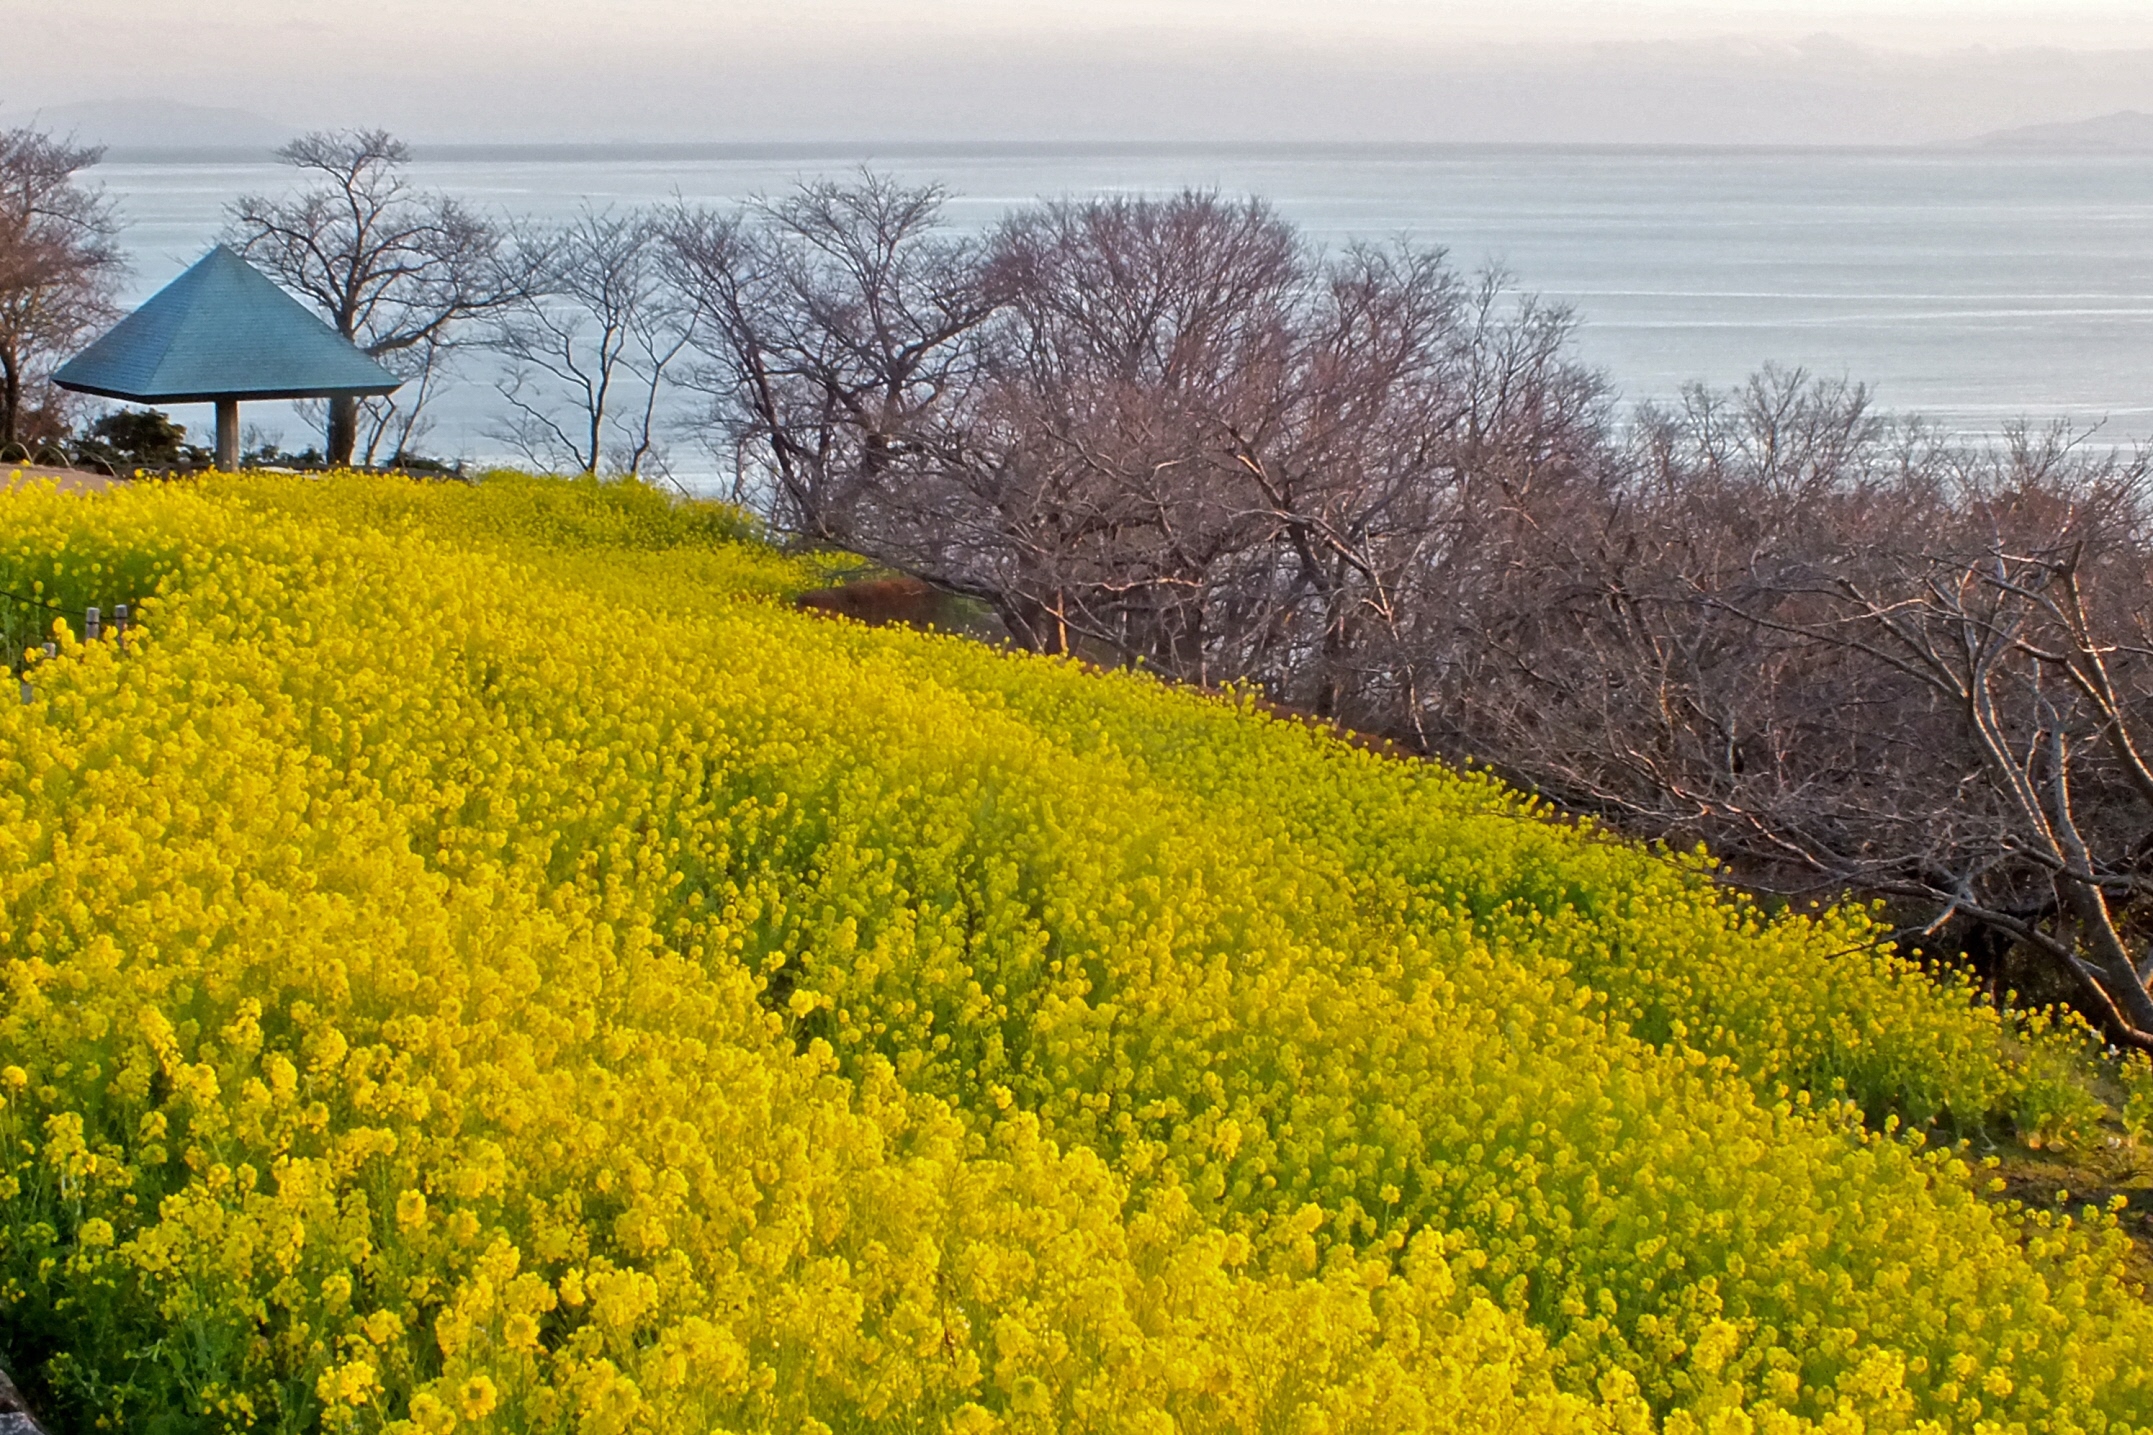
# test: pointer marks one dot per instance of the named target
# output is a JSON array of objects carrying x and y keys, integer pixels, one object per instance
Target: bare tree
[
  {"x": 1603, "y": 640},
  {"x": 1200, "y": 443},
  {"x": 2050, "y": 820},
  {"x": 59, "y": 266},
  {"x": 1167, "y": 431},
  {"x": 1851, "y": 655},
  {"x": 596, "y": 338},
  {"x": 395, "y": 271},
  {"x": 1142, "y": 347},
  {"x": 833, "y": 323}
]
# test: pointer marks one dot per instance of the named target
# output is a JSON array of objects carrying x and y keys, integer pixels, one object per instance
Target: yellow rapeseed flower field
[{"x": 475, "y": 960}]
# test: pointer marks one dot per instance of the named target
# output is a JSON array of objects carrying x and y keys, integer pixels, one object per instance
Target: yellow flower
[
  {"x": 351, "y": 1383},
  {"x": 411, "y": 1211},
  {"x": 431, "y": 1415},
  {"x": 1185, "y": 1065},
  {"x": 476, "y": 1397}
]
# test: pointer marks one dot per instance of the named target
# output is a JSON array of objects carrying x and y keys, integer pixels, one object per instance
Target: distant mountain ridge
[
  {"x": 153, "y": 124},
  {"x": 2125, "y": 131}
]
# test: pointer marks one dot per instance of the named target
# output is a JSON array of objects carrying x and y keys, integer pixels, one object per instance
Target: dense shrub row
[{"x": 473, "y": 961}]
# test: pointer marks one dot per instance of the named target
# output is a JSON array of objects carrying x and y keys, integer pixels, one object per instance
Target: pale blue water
[{"x": 1973, "y": 288}]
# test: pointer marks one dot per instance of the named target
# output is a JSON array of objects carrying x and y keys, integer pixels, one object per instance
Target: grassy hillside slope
[{"x": 474, "y": 959}]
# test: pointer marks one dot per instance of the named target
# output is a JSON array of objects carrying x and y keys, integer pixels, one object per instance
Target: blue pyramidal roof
[{"x": 222, "y": 330}]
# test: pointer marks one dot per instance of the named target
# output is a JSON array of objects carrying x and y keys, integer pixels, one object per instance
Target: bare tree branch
[{"x": 396, "y": 272}]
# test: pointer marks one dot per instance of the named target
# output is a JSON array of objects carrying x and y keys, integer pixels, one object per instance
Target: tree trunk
[
  {"x": 10, "y": 400},
  {"x": 343, "y": 432},
  {"x": 2109, "y": 957}
]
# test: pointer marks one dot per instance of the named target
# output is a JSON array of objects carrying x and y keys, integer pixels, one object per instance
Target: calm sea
[{"x": 1973, "y": 288}]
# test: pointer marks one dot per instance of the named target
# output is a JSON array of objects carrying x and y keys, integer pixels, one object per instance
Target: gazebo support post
[{"x": 227, "y": 435}]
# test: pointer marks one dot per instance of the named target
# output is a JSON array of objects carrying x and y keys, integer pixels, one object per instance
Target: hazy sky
[{"x": 1694, "y": 70}]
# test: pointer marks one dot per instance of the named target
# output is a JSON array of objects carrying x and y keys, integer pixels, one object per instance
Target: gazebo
[{"x": 220, "y": 333}]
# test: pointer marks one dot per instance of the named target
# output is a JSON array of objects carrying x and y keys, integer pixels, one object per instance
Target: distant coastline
[
  {"x": 156, "y": 124},
  {"x": 163, "y": 131},
  {"x": 2124, "y": 132},
  {"x": 854, "y": 151}
]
